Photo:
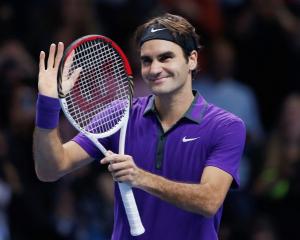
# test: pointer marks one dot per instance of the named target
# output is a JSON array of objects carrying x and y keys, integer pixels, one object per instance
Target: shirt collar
[{"x": 195, "y": 112}]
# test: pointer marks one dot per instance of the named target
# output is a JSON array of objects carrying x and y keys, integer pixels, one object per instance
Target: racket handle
[{"x": 135, "y": 223}]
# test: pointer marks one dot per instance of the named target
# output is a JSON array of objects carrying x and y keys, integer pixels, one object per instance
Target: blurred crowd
[{"x": 249, "y": 65}]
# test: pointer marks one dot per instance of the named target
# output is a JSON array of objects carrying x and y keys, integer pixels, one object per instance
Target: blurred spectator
[
  {"x": 16, "y": 67},
  {"x": 219, "y": 86},
  {"x": 104, "y": 186},
  {"x": 64, "y": 219},
  {"x": 84, "y": 205},
  {"x": 22, "y": 110},
  {"x": 121, "y": 17},
  {"x": 26, "y": 211},
  {"x": 263, "y": 229},
  {"x": 73, "y": 19},
  {"x": 5, "y": 189},
  {"x": 7, "y": 19},
  {"x": 278, "y": 186},
  {"x": 205, "y": 14},
  {"x": 5, "y": 194},
  {"x": 29, "y": 206},
  {"x": 9, "y": 186},
  {"x": 267, "y": 38},
  {"x": 283, "y": 152}
]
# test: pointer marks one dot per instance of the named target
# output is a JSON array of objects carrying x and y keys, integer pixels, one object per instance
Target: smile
[{"x": 159, "y": 79}]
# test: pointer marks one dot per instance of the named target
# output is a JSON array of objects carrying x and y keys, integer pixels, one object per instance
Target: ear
[{"x": 193, "y": 60}]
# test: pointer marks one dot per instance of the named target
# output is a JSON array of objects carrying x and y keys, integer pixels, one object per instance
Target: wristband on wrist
[{"x": 47, "y": 112}]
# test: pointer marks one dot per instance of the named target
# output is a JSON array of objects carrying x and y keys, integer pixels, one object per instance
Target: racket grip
[{"x": 135, "y": 223}]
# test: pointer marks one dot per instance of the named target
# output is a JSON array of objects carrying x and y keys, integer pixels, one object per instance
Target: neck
[{"x": 172, "y": 108}]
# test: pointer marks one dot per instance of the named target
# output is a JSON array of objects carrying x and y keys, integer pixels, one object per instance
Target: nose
[{"x": 155, "y": 69}]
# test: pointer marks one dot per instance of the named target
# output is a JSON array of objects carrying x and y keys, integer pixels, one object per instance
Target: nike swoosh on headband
[{"x": 156, "y": 30}]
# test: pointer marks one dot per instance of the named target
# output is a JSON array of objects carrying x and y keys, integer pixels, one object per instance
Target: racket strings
[
  {"x": 112, "y": 86},
  {"x": 100, "y": 97},
  {"x": 105, "y": 73}
]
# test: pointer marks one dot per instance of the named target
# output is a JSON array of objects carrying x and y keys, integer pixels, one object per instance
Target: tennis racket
[{"x": 95, "y": 91}]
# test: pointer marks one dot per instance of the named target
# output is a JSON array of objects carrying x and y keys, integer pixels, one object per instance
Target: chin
[{"x": 161, "y": 91}]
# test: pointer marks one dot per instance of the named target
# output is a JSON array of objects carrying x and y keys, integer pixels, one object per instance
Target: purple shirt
[{"x": 205, "y": 136}]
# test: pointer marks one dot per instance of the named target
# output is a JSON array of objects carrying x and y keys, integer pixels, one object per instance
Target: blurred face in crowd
[
  {"x": 223, "y": 59},
  {"x": 290, "y": 118},
  {"x": 290, "y": 126}
]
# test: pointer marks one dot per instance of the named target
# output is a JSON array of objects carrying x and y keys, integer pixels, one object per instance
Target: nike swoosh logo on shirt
[
  {"x": 185, "y": 139},
  {"x": 156, "y": 30}
]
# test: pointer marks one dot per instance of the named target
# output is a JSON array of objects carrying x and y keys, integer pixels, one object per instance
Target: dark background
[{"x": 254, "y": 43}]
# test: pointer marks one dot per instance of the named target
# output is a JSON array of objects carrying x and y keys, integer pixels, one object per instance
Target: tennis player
[{"x": 183, "y": 153}]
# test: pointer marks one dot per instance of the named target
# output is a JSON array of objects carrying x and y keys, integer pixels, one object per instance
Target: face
[{"x": 164, "y": 67}]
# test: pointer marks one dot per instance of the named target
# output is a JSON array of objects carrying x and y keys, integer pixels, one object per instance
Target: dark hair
[{"x": 177, "y": 25}]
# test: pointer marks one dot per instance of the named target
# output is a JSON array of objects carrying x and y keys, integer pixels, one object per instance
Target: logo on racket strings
[{"x": 96, "y": 86}]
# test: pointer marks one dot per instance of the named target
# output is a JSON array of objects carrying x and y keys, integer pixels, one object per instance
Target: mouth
[{"x": 158, "y": 79}]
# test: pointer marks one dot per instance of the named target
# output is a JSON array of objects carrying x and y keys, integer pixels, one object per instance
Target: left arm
[{"x": 203, "y": 198}]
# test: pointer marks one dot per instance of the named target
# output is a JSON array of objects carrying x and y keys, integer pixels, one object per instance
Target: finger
[
  {"x": 117, "y": 158},
  {"x": 109, "y": 152},
  {"x": 123, "y": 179},
  {"x": 103, "y": 160},
  {"x": 122, "y": 174},
  {"x": 59, "y": 54},
  {"x": 50, "y": 61},
  {"x": 75, "y": 75},
  {"x": 67, "y": 85},
  {"x": 107, "y": 160},
  {"x": 67, "y": 65},
  {"x": 118, "y": 166},
  {"x": 42, "y": 61},
  {"x": 112, "y": 158}
]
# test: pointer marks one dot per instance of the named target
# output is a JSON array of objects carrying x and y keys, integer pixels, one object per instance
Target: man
[{"x": 182, "y": 153}]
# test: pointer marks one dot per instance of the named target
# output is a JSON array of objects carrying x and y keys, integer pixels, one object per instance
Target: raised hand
[
  {"x": 47, "y": 84},
  {"x": 48, "y": 75}
]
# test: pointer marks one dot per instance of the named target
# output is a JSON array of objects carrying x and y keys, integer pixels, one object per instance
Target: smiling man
[{"x": 182, "y": 153}]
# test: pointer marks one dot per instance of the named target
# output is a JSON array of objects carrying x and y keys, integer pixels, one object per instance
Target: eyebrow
[{"x": 168, "y": 53}]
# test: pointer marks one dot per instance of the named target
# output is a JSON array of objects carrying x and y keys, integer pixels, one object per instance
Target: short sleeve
[
  {"x": 228, "y": 147},
  {"x": 89, "y": 146}
]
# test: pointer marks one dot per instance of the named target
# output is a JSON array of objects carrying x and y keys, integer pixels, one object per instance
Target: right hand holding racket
[{"x": 122, "y": 168}]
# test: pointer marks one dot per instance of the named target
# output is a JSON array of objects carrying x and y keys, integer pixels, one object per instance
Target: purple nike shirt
[{"x": 205, "y": 136}]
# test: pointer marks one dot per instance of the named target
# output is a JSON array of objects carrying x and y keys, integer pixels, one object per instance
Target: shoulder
[
  {"x": 220, "y": 115},
  {"x": 140, "y": 104},
  {"x": 140, "y": 101},
  {"x": 220, "y": 119}
]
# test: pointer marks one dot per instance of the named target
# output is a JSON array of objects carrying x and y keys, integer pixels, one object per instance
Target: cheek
[
  {"x": 183, "y": 69},
  {"x": 143, "y": 71}
]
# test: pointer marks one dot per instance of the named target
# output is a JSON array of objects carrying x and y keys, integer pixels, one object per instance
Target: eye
[
  {"x": 165, "y": 57},
  {"x": 145, "y": 61}
]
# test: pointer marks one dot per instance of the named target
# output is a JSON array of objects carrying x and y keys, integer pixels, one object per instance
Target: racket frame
[{"x": 136, "y": 226}]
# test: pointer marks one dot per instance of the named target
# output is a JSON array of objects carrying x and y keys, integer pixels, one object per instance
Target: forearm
[
  {"x": 198, "y": 198},
  {"x": 52, "y": 158},
  {"x": 48, "y": 154},
  {"x": 204, "y": 198}
]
